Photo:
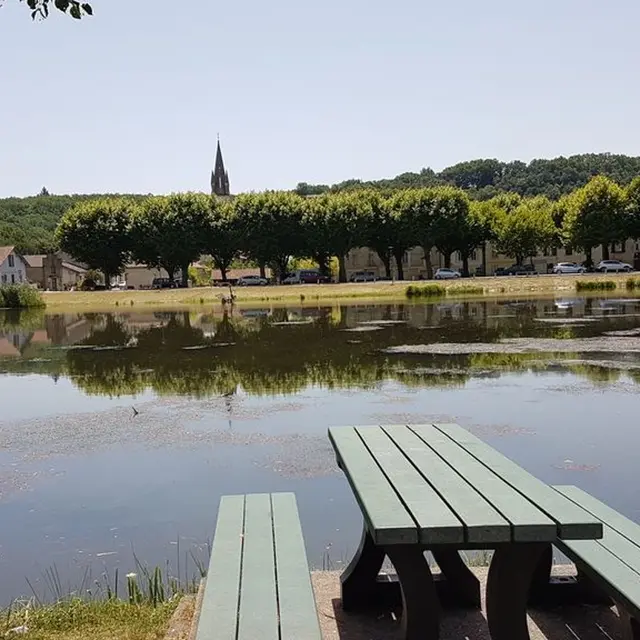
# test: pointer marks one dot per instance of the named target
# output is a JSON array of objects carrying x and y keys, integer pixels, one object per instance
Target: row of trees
[{"x": 271, "y": 228}]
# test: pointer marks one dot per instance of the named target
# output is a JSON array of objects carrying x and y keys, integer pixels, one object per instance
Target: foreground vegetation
[
  {"x": 76, "y": 619},
  {"x": 20, "y": 296}
]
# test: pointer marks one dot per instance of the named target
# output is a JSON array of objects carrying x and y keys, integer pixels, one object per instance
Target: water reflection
[{"x": 283, "y": 350}]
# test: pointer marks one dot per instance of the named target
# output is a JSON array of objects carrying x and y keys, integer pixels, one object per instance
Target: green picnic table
[{"x": 438, "y": 488}]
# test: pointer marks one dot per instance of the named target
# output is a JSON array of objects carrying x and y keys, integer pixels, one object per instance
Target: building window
[
  {"x": 474, "y": 255},
  {"x": 19, "y": 276},
  {"x": 12, "y": 261},
  {"x": 13, "y": 278},
  {"x": 405, "y": 258},
  {"x": 568, "y": 251},
  {"x": 619, "y": 247},
  {"x": 372, "y": 259},
  {"x": 4, "y": 278}
]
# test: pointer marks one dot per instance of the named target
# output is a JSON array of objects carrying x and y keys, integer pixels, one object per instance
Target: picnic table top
[{"x": 439, "y": 484}]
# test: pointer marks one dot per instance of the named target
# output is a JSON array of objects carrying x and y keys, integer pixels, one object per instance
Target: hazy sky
[{"x": 131, "y": 99}]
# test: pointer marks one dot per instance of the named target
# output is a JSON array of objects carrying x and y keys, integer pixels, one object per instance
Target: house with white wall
[{"x": 13, "y": 267}]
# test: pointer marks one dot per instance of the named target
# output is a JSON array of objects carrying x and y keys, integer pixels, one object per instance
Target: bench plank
[
  {"x": 529, "y": 524},
  {"x": 481, "y": 520},
  {"x": 621, "y": 535},
  {"x": 573, "y": 521},
  {"x": 298, "y": 615},
  {"x": 602, "y": 566},
  {"x": 436, "y": 522},
  {"x": 258, "y": 614},
  {"x": 603, "y": 512},
  {"x": 219, "y": 612},
  {"x": 387, "y": 519}
]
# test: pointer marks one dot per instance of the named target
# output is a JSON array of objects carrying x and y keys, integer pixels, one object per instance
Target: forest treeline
[{"x": 485, "y": 178}]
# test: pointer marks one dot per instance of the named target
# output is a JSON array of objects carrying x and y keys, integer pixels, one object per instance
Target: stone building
[{"x": 487, "y": 261}]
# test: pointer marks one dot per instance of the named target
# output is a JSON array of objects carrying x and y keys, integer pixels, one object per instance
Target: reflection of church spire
[{"x": 219, "y": 175}]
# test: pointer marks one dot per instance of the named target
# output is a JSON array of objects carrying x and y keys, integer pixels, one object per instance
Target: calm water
[{"x": 119, "y": 432}]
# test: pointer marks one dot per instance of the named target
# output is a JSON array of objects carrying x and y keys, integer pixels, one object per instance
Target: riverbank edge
[{"x": 311, "y": 294}]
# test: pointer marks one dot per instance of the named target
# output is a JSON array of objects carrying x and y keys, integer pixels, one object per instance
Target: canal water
[{"x": 119, "y": 432}]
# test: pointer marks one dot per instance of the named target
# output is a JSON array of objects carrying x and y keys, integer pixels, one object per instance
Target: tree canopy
[{"x": 40, "y": 8}]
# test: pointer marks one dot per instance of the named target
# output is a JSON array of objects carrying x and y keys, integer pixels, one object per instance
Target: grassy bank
[
  {"x": 310, "y": 293},
  {"x": 77, "y": 619}
]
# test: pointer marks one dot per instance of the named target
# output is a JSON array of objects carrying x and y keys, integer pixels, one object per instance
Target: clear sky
[{"x": 131, "y": 100}]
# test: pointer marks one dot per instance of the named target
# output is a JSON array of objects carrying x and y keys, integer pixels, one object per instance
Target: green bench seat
[
  {"x": 612, "y": 563},
  {"x": 258, "y": 584}
]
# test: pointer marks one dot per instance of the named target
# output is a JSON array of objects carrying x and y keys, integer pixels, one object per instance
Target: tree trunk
[
  {"x": 465, "y": 265},
  {"x": 427, "y": 261},
  {"x": 107, "y": 279},
  {"x": 447, "y": 259},
  {"x": 605, "y": 251},
  {"x": 589, "y": 259},
  {"x": 223, "y": 273},
  {"x": 386, "y": 261},
  {"x": 185, "y": 275},
  {"x": 484, "y": 258},
  {"x": 342, "y": 268},
  {"x": 399, "y": 256},
  {"x": 323, "y": 264}
]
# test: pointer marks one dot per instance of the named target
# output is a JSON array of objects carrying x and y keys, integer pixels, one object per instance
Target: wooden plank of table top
[
  {"x": 528, "y": 523},
  {"x": 436, "y": 522},
  {"x": 482, "y": 522},
  {"x": 258, "y": 614},
  {"x": 387, "y": 519},
  {"x": 573, "y": 522},
  {"x": 298, "y": 616},
  {"x": 219, "y": 612}
]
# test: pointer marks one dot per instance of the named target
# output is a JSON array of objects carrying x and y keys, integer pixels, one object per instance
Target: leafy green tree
[
  {"x": 475, "y": 230},
  {"x": 270, "y": 224},
  {"x": 449, "y": 220},
  {"x": 222, "y": 239},
  {"x": 633, "y": 209},
  {"x": 96, "y": 232},
  {"x": 379, "y": 229},
  {"x": 346, "y": 229},
  {"x": 596, "y": 216},
  {"x": 524, "y": 230},
  {"x": 416, "y": 207},
  {"x": 318, "y": 231},
  {"x": 40, "y": 8},
  {"x": 169, "y": 231}
]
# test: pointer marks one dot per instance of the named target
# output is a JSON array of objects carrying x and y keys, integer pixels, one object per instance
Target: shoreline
[{"x": 354, "y": 293}]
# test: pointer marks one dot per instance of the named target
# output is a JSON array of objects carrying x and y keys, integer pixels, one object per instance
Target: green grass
[
  {"x": 20, "y": 296},
  {"x": 77, "y": 619},
  {"x": 465, "y": 290},
  {"x": 633, "y": 283},
  {"x": 425, "y": 291},
  {"x": 596, "y": 285}
]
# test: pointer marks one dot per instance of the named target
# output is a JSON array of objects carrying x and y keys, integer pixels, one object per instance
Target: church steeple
[{"x": 219, "y": 175}]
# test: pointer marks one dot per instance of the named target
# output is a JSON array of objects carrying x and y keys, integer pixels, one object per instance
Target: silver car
[
  {"x": 607, "y": 266},
  {"x": 568, "y": 267},
  {"x": 446, "y": 274},
  {"x": 252, "y": 281}
]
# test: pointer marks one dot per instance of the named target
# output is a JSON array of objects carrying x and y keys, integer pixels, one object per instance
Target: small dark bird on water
[{"x": 135, "y": 412}]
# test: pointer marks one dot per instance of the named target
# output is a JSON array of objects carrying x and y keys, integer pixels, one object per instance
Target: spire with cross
[{"x": 219, "y": 175}]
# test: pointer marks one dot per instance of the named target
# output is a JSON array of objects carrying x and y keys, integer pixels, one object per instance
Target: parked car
[
  {"x": 568, "y": 267},
  {"x": 252, "y": 281},
  {"x": 363, "y": 276},
  {"x": 164, "y": 283},
  {"x": 446, "y": 274},
  {"x": 606, "y": 266},
  {"x": 517, "y": 270},
  {"x": 306, "y": 276}
]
